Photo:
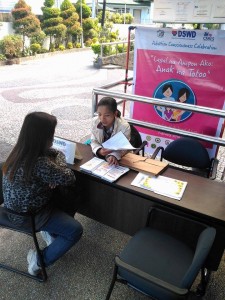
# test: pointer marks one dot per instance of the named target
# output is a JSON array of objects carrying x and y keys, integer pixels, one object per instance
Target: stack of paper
[{"x": 118, "y": 142}]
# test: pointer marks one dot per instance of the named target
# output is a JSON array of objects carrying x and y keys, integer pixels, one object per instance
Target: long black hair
[
  {"x": 182, "y": 92},
  {"x": 35, "y": 138},
  {"x": 111, "y": 104}
]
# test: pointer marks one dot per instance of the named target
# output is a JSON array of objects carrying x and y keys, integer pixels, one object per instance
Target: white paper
[
  {"x": 90, "y": 165},
  {"x": 162, "y": 185},
  {"x": 118, "y": 142}
]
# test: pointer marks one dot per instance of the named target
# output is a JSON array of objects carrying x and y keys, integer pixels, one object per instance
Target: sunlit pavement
[{"x": 61, "y": 85}]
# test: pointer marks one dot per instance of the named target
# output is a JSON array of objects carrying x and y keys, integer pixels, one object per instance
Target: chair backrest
[
  {"x": 187, "y": 152},
  {"x": 204, "y": 245},
  {"x": 135, "y": 137}
]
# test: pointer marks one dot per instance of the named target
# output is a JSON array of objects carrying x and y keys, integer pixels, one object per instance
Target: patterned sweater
[{"x": 22, "y": 196}]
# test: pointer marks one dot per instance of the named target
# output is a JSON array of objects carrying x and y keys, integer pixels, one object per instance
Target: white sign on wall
[{"x": 189, "y": 11}]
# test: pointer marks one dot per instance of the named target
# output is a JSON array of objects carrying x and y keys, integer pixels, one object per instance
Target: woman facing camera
[
  {"x": 30, "y": 174},
  {"x": 104, "y": 126}
]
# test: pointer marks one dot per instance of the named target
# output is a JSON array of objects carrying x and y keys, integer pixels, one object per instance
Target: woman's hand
[
  {"x": 112, "y": 160},
  {"x": 104, "y": 152}
]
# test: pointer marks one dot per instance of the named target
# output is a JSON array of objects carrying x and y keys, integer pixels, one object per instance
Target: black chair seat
[
  {"x": 157, "y": 250},
  {"x": 163, "y": 259},
  {"x": 15, "y": 222}
]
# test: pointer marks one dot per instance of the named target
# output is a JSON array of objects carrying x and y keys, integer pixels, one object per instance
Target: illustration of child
[
  {"x": 183, "y": 95},
  {"x": 167, "y": 92},
  {"x": 168, "y": 113}
]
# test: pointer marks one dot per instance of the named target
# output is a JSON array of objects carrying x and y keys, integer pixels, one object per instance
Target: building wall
[{"x": 5, "y": 29}]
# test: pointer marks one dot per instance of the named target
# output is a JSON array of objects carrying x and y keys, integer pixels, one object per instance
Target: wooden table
[{"x": 125, "y": 207}]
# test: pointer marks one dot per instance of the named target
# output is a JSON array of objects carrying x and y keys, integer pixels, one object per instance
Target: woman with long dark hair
[{"x": 30, "y": 174}]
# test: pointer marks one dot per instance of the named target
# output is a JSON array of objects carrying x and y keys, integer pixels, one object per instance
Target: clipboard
[{"x": 143, "y": 163}]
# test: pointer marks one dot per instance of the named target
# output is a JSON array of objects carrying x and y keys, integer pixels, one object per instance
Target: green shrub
[
  {"x": 96, "y": 48},
  {"x": 11, "y": 46},
  {"x": 77, "y": 45},
  {"x": 38, "y": 38},
  {"x": 61, "y": 47},
  {"x": 94, "y": 40},
  {"x": 35, "y": 48},
  {"x": 2, "y": 57},
  {"x": 128, "y": 18},
  {"x": 120, "y": 48},
  {"x": 69, "y": 45},
  {"x": 113, "y": 35},
  {"x": 88, "y": 43},
  {"x": 43, "y": 50},
  {"x": 106, "y": 50}
]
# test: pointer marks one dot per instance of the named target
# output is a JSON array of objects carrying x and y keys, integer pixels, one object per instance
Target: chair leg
[
  {"x": 205, "y": 276},
  {"x": 43, "y": 276},
  {"x": 112, "y": 282}
]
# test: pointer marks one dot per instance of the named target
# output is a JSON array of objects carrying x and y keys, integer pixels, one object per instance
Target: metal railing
[
  {"x": 112, "y": 44},
  {"x": 123, "y": 97}
]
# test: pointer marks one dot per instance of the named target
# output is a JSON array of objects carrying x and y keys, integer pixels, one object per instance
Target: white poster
[{"x": 189, "y": 11}]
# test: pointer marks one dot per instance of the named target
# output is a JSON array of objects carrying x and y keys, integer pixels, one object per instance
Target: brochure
[
  {"x": 162, "y": 185},
  {"x": 101, "y": 168},
  {"x": 118, "y": 142}
]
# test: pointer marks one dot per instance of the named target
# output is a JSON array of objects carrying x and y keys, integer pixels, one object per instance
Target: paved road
[{"x": 61, "y": 85}]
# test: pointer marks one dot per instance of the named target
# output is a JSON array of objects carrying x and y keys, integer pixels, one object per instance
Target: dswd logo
[{"x": 208, "y": 37}]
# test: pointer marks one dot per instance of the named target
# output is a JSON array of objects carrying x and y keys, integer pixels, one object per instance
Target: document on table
[
  {"x": 162, "y": 185},
  {"x": 101, "y": 168},
  {"x": 118, "y": 142}
]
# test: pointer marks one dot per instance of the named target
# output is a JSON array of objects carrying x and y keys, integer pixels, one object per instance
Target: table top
[{"x": 202, "y": 195}]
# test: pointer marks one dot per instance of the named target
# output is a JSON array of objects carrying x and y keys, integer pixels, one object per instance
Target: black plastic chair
[
  {"x": 21, "y": 223},
  {"x": 190, "y": 153},
  {"x": 163, "y": 259},
  {"x": 136, "y": 141}
]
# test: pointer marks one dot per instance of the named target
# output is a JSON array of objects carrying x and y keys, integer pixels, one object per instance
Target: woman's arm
[{"x": 54, "y": 171}]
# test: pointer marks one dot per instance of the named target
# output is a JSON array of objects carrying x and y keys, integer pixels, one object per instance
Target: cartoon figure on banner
[
  {"x": 174, "y": 90},
  {"x": 183, "y": 95},
  {"x": 167, "y": 92}
]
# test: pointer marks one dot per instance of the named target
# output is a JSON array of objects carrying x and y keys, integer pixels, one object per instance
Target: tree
[
  {"x": 70, "y": 20},
  {"x": 90, "y": 28},
  {"x": 25, "y": 22},
  {"x": 52, "y": 23},
  {"x": 86, "y": 11}
]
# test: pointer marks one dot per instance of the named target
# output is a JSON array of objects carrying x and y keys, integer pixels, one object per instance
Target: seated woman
[
  {"x": 104, "y": 126},
  {"x": 30, "y": 174}
]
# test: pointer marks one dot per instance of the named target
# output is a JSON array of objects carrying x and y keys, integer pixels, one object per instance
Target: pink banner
[{"x": 184, "y": 75}]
